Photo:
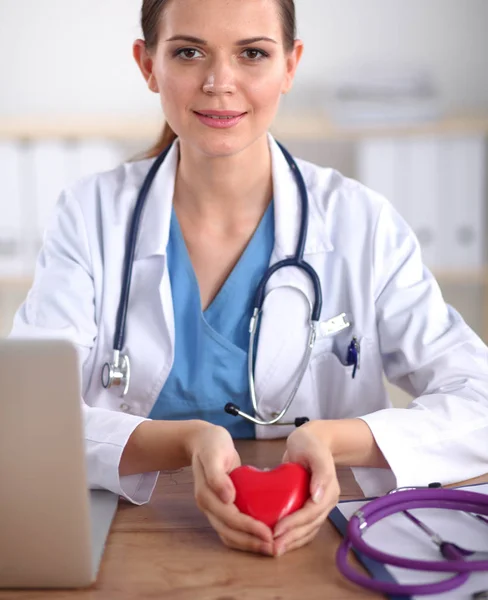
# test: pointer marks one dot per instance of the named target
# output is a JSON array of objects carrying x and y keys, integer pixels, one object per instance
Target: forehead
[{"x": 228, "y": 20}]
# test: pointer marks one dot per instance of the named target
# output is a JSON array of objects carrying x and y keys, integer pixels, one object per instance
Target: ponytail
[{"x": 167, "y": 137}]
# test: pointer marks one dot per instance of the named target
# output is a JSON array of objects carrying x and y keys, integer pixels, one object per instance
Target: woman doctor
[{"x": 223, "y": 207}]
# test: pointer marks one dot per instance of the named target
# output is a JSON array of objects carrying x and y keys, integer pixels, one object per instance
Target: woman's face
[{"x": 212, "y": 56}]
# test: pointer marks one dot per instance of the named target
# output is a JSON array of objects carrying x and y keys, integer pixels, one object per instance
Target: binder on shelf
[
  {"x": 12, "y": 251},
  {"x": 418, "y": 193},
  {"x": 54, "y": 165},
  {"x": 87, "y": 157},
  {"x": 407, "y": 172},
  {"x": 48, "y": 174},
  {"x": 377, "y": 166},
  {"x": 463, "y": 198}
]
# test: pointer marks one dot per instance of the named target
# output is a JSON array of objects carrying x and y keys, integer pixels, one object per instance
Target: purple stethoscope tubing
[{"x": 385, "y": 506}]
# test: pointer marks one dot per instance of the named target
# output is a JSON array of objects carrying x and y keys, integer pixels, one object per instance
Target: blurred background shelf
[{"x": 308, "y": 127}]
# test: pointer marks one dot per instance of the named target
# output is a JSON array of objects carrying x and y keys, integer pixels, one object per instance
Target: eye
[
  {"x": 187, "y": 53},
  {"x": 254, "y": 54}
]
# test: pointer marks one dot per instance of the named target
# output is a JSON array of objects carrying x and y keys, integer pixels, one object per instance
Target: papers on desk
[{"x": 397, "y": 535}]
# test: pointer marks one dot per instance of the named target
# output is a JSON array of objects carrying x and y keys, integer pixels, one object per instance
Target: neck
[{"x": 224, "y": 189}]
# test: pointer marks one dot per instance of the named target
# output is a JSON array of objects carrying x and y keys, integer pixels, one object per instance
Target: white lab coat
[{"x": 370, "y": 267}]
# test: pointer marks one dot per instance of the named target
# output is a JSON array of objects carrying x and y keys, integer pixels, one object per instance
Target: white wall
[{"x": 70, "y": 56}]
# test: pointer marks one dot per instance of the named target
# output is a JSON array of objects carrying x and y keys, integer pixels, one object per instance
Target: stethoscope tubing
[
  {"x": 120, "y": 371},
  {"x": 391, "y": 587},
  {"x": 296, "y": 260},
  {"x": 130, "y": 252},
  {"x": 385, "y": 506},
  {"x": 299, "y": 263}
]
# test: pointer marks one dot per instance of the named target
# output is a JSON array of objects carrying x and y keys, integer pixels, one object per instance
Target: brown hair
[{"x": 151, "y": 14}]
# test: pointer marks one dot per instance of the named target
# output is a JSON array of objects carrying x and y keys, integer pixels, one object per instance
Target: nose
[{"x": 220, "y": 78}]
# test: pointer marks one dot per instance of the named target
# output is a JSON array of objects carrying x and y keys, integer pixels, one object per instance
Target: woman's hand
[
  {"x": 213, "y": 457},
  {"x": 300, "y": 528}
]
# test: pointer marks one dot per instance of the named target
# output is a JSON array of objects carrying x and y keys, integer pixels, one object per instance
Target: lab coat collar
[
  {"x": 156, "y": 217},
  {"x": 287, "y": 207}
]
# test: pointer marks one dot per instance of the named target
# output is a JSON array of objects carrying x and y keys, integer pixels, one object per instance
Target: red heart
[{"x": 268, "y": 496}]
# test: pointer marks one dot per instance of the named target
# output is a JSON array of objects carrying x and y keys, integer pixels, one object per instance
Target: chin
[
  {"x": 221, "y": 144},
  {"x": 227, "y": 145}
]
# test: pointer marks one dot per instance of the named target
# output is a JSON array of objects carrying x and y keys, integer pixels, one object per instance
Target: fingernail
[
  {"x": 280, "y": 551},
  {"x": 318, "y": 494},
  {"x": 267, "y": 549},
  {"x": 279, "y": 531}
]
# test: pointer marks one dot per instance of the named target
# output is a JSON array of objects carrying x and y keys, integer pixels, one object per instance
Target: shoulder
[
  {"x": 346, "y": 207},
  {"x": 329, "y": 189},
  {"x": 127, "y": 177},
  {"x": 84, "y": 208}
]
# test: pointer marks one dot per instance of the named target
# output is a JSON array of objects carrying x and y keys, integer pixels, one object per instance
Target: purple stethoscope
[{"x": 460, "y": 561}]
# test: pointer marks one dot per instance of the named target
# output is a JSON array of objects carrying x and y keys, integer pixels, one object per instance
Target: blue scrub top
[{"x": 211, "y": 348}]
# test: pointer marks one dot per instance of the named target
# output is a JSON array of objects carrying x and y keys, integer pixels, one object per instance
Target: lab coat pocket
[{"x": 337, "y": 393}]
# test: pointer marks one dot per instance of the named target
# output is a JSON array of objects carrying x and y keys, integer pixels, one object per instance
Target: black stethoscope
[{"x": 117, "y": 373}]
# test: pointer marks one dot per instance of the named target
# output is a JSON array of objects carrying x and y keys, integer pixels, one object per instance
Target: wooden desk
[{"x": 167, "y": 550}]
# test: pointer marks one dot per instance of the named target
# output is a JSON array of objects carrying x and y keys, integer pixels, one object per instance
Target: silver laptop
[{"x": 52, "y": 528}]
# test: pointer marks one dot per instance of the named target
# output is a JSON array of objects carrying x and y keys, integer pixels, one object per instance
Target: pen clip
[{"x": 354, "y": 355}]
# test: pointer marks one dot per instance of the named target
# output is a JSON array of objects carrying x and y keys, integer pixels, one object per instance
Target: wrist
[
  {"x": 350, "y": 441},
  {"x": 321, "y": 430},
  {"x": 196, "y": 429},
  {"x": 160, "y": 445}
]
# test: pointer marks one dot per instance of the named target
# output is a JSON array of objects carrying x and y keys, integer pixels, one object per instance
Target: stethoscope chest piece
[{"x": 117, "y": 372}]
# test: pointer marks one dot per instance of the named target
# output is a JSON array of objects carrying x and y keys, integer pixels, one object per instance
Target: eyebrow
[{"x": 195, "y": 40}]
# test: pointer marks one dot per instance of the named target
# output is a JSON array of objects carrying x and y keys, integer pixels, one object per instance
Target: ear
[
  {"x": 144, "y": 61},
  {"x": 292, "y": 60}
]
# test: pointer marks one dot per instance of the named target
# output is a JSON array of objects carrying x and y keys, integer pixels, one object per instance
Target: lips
[
  {"x": 219, "y": 119},
  {"x": 224, "y": 114}
]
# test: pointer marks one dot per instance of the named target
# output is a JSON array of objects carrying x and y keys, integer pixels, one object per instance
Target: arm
[
  {"x": 61, "y": 304},
  {"x": 350, "y": 442},
  {"x": 159, "y": 446},
  {"x": 429, "y": 351}
]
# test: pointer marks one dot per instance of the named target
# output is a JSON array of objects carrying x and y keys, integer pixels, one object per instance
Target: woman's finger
[
  {"x": 230, "y": 515},
  {"x": 215, "y": 478},
  {"x": 240, "y": 540},
  {"x": 304, "y": 448},
  {"x": 323, "y": 481},
  {"x": 310, "y": 511},
  {"x": 291, "y": 537},
  {"x": 299, "y": 543}
]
